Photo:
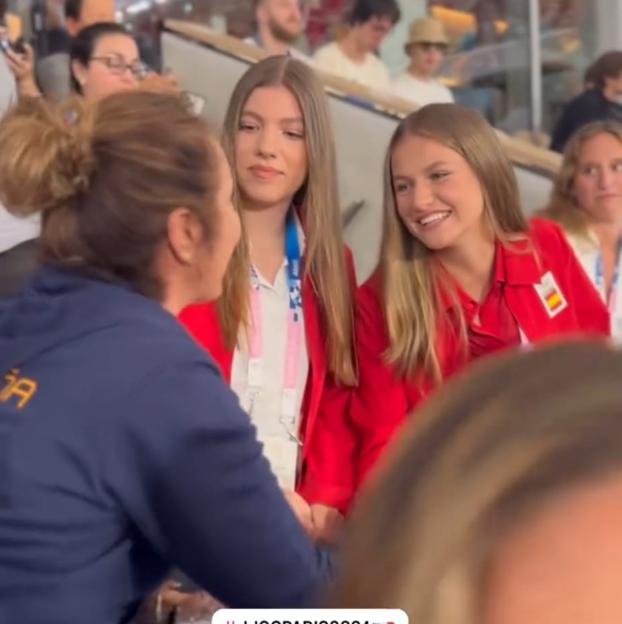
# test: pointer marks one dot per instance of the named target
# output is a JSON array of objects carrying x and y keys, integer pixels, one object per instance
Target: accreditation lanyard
[
  {"x": 293, "y": 346},
  {"x": 612, "y": 295}
]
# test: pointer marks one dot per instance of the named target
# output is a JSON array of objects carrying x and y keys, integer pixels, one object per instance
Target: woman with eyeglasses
[{"x": 104, "y": 60}]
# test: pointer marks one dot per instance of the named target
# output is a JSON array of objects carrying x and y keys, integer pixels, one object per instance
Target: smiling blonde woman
[{"x": 462, "y": 275}]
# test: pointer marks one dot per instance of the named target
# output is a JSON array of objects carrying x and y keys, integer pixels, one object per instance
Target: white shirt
[
  {"x": 421, "y": 92},
  {"x": 280, "y": 448},
  {"x": 13, "y": 230},
  {"x": 295, "y": 53},
  {"x": 8, "y": 92},
  {"x": 587, "y": 250},
  {"x": 372, "y": 72}
]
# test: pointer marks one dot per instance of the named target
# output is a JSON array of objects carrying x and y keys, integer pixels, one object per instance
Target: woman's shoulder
[
  {"x": 198, "y": 314},
  {"x": 542, "y": 228}
]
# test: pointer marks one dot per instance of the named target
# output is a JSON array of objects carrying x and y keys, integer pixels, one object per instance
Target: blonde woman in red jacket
[
  {"x": 283, "y": 330},
  {"x": 462, "y": 275}
]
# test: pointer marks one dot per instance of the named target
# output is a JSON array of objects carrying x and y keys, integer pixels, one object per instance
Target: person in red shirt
[
  {"x": 462, "y": 274},
  {"x": 283, "y": 331}
]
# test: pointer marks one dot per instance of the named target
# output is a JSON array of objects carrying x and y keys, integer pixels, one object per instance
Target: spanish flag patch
[{"x": 551, "y": 295}]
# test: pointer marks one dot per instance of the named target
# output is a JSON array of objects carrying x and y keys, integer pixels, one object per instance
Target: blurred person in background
[
  {"x": 602, "y": 102},
  {"x": 124, "y": 453},
  {"x": 354, "y": 56},
  {"x": 502, "y": 505},
  {"x": 426, "y": 47},
  {"x": 587, "y": 201},
  {"x": 52, "y": 70},
  {"x": 82, "y": 13},
  {"x": 105, "y": 59},
  {"x": 56, "y": 74},
  {"x": 280, "y": 24},
  {"x": 590, "y": 76},
  {"x": 51, "y": 44},
  {"x": 51, "y": 75}
]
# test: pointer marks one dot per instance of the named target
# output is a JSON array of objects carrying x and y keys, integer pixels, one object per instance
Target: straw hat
[{"x": 426, "y": 30}]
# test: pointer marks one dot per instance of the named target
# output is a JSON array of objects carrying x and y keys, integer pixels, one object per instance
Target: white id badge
[{"x": 550, "y": 294}]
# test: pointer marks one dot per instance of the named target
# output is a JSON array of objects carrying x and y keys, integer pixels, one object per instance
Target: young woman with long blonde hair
[
  {"x": 282, "y": 332},
  {"x": 462, "y": 274},
  {"x": 587, "y": 202}
]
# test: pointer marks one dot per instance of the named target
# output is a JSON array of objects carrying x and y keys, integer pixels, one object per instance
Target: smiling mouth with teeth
[{"x": 433, "y": 218}]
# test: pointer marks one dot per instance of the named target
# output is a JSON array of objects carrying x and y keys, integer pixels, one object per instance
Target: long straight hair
[
  {"x": 563, "y": 206},
  {"x": 318, "y": 203},
  {"x": 411, "y": 292}
]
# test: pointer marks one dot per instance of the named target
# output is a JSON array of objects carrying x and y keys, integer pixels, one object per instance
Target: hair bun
[
  {"x": 76, "y": 157},
  {"x": 47, "y": 155}
]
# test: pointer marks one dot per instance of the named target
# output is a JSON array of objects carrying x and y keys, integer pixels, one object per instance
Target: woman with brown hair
[
  {"x": 123, "y": 453},
  {"x": 462, "y": 275},
  {"x": 282, "y": 331},
  {"x": 587, "y": 202},
  {"x": 501, "y": 505}
]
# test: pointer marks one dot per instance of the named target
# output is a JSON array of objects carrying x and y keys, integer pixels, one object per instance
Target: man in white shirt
[
  {"x": 279, "y": 25},
  {"x": 354, "y": 56},
  {"x": 426, "y": 47}
]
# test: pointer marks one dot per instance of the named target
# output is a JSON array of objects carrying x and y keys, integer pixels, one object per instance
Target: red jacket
[
  {"x": 384, "y": 399},
  {"x": 323, "y": 405}
]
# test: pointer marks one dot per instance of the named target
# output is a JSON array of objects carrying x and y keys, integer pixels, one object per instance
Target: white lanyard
[{"x": 288, "y": 415}]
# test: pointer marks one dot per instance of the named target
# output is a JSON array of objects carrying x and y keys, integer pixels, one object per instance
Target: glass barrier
[
  {"x": 490, "y": 57},
  {"x": 488, "y": 65}
]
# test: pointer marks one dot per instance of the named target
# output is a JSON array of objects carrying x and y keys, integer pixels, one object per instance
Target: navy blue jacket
[
  {"x": 589, "y": 106},
  {"x": 122, "y": 453}
]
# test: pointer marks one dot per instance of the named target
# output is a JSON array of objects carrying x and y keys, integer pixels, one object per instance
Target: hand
[
  {"x": 22, "y": 67},
  {"x": 186, "y": 604},
  {"x": 196, "y": 606},
  {"x": 301, "y": 509},
  {"x": 327, "y": 523}
]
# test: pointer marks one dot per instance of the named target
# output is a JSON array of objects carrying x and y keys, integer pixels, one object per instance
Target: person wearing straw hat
[{"x": 426, "y": 46}]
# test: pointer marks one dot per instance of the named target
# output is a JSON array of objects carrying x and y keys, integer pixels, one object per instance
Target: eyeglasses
[
  {"x": 118, "y": 66},
  {"x": 426, "y": 46}
]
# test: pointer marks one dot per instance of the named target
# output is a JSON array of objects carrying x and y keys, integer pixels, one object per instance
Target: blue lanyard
[
  {"x": 600, "y": 275},
  {"x": 292, "y": 253},
  {"x": 294, "y": 331}
]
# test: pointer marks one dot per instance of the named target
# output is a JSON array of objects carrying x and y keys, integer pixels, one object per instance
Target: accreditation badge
[{"x": 550, "y": 294}]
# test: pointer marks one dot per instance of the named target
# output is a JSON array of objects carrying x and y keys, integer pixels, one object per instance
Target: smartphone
[{"x": 18, "y": 46}]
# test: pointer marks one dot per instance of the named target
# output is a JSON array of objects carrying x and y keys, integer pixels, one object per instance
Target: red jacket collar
[{"x": 516, "y": 264}]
